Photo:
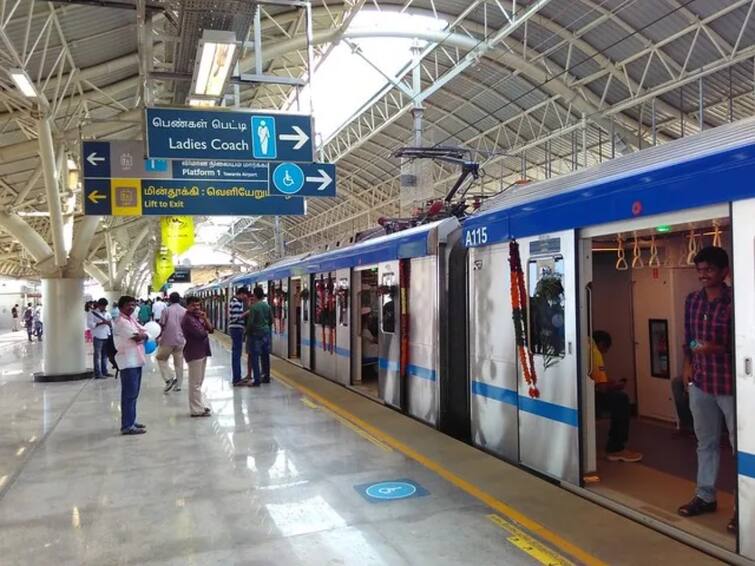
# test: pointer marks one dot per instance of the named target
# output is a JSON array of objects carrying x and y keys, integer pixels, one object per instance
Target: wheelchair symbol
[
  {"x": 391, "y": 490},
  {"x": 288, "y": 178}
]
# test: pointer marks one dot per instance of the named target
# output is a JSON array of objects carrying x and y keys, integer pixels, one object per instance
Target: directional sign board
[
  {"x": 125, "y": 159},
  {"x": 118, "y": 181},
  {"x": 185, "y": 133}
]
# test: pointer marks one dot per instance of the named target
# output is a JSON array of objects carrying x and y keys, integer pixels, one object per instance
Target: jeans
[
  {"x": 260, "y": 348},
  {"x": 681, "y": 400},
  {"x": 237, "y": 336},
  {"x": 617, "y": 405},
  {"x": 197, "y": 402},
  {"x": 706, "y": 411},
  {"x": 131, "y": 382},
  {"x": 100, "y": 357}
]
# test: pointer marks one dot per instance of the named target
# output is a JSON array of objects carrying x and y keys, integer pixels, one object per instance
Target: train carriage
[{"x": 611, "y": 248}]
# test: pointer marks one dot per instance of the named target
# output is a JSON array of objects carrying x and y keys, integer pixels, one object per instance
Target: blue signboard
[
  {"x": 391, "y": 490},
  {"x": 166, "y": 197},
  {"x": 125, "y": 159},
  {"x": 304, "y": 179},
  {"x": 185, "y": 133}
]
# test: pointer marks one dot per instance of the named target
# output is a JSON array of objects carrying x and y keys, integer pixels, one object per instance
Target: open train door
[
  {"x": 743, "y": 231},
  {"x": 549, "y": 422}
]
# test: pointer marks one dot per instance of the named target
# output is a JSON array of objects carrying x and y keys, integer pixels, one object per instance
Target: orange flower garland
[{"x": 519, "y": 315}]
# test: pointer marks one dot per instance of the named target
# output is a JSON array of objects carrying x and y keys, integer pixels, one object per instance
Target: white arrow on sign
[
  {"x": 300, "y": 137},
  {"x": 93, "y": 159},
  {"x": 324, "y": 179}
]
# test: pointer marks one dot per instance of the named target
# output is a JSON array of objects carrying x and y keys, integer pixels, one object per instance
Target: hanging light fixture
[{"x": 216, "y": 57}]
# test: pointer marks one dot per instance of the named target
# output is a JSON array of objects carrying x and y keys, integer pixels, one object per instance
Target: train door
[
  {"x": 422, "y": 371},
  {"x": 365, "y": 316},
  {"x": 743, "y": 228},
  {"x": 549, "y": 420},
  {"x": 343, "y": 326},
  {"x": 492, "y": 353},
  {"x": 306, "y": 322},
  {"x": 639, "y": 440},
  {"x": 389, "y": 334},
  {"x": 278, "y": 303},
  {"x": 323, "y": 340},
  {"x": 294, "y": 319}
]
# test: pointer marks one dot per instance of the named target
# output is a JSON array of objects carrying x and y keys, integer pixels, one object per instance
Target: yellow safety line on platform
[
  {"x": 529, "y": 524},
  {"x": 308, "y": 402},
  {"x": 526, "y": 543}
]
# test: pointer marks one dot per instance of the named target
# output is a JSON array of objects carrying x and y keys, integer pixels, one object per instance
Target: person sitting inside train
[{"x": 610, "y": 397}]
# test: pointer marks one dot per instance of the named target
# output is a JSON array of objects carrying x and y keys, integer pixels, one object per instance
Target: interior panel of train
[
  {"x": 365, "y": 342},
  {"x": 637, "y": 277}
]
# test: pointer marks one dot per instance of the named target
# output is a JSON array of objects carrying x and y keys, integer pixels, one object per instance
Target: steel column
[{"x": 47, "y": 154}]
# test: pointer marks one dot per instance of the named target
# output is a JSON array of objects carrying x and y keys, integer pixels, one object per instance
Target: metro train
[{"x": 427, "y": 321}]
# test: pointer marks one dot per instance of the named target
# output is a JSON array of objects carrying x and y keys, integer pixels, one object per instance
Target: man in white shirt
[
  {"x": 172, "y": 343},
  {"x": 158, "y": 308},
  {"x": 129, "y": 337},
  {"x": 99, "y": 322}
]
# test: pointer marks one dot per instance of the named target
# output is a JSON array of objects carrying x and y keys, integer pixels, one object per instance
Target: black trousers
[{"x": 616, "y": 404}]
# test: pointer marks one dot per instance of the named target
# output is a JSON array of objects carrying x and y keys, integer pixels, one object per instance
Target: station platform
[{"x": 295, "y": 472}]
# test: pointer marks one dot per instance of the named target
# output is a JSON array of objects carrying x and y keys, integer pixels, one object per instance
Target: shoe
[
  {"x": 624, "y": 456},
  {"x": 133, "y": 430},
  {"x": 732, "y": 525},
  {"x": 240, "y": 383},
  {"x": 266, "y": 380},
  {"x": 206, "y": 413},
  {"x": 245, "y": 380},
  {"x": 697, "y": 507},
  {"x": 254, "y": 384},
  {"x": 176, "y": 388},
  {"x": 140, "y": 425},
  {"x": 169, "y": 385}
]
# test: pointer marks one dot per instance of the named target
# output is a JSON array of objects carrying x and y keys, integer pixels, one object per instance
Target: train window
[
  {"x": 388, "y": 291},
  {"x": 546, "y": 308}
]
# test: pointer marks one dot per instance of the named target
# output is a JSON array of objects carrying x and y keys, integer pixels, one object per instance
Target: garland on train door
[
  {"x": 331, "y": 314},
  {"x": 405, "y": 270},
  {"x": 320, "y": 307},
  {"x": 519, "y": 310}
]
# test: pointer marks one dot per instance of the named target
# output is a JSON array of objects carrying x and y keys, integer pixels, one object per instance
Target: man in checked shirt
[{"x": 708, "y": 371}]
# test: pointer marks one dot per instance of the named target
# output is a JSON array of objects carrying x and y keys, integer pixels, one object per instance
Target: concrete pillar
[
  {"x": 64, "y": 353},
  {"x": 113, "y": 295}
]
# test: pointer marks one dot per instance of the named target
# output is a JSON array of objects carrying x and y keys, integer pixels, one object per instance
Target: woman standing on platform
[
  {"x": 196, "y": 329},
  {"x": 129, "y": 337}
]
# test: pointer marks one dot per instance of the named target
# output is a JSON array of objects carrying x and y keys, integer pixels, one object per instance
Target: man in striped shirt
[
  {"x": 708, "y": 371},
  {"x": 236, "y": 325}
]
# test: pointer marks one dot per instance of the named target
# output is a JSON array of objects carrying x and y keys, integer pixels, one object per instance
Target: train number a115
[{"x": 476, "y": 237}]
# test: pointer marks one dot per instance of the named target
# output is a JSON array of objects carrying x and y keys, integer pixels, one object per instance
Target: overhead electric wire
[{"x": 502, "y": 80}]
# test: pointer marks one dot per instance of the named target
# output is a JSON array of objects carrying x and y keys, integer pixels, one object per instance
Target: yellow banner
[
  {"x": 177, "y": 233},
  {"x": 163, "y": 268}
]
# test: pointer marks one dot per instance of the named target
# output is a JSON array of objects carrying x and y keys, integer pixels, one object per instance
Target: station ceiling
[{"x": 535, "y": 88}]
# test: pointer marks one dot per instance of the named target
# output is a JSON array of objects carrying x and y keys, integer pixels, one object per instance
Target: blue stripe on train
[
  {"x": 413, "y": 370},
  {"x": 746, "y": 464},
  {"x": 544, "y": 409}
]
